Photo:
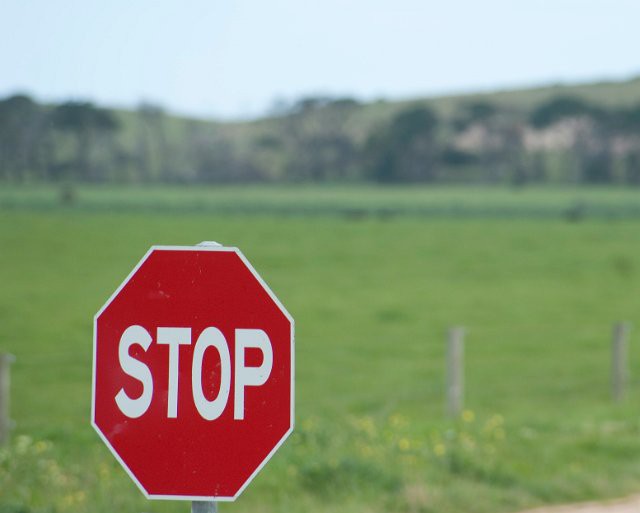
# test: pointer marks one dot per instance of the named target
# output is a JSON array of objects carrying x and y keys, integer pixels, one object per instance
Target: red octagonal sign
[{"x": 193, "y": 373}]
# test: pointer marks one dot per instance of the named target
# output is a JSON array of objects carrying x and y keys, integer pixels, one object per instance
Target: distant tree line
[{"x": 562, "y": 140}]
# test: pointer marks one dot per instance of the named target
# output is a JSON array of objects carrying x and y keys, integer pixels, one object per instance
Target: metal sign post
[{"x": 204, "y": 507}]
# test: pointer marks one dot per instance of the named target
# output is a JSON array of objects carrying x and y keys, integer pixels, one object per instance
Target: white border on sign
[{"x": 93, "y": 377}]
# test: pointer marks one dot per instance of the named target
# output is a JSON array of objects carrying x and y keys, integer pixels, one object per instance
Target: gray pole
[
  {"x": 619, "y": 360},
  {"x": 455, "y": 371},
  {"x": 204, "y": 507},
  {"x": 5, "y": 381}
]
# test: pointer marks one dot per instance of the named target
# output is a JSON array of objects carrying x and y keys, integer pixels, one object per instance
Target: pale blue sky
[{"x": 232, "y": 59}]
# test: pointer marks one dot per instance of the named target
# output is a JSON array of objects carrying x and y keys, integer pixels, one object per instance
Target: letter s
[{"x": 134, "y": 408}]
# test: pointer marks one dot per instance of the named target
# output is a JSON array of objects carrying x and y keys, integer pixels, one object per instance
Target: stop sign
[{"x": 193, "y": 373}]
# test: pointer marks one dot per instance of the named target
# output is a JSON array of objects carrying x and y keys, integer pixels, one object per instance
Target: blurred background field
[
  {"x": 373, "y": 296},
  {"x": 566, "y": 135}
]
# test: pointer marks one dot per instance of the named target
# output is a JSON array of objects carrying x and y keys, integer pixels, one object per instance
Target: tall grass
[{"x": 372, "y": 298}]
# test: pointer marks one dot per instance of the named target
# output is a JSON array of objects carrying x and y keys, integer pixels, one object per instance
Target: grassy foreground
[{"x": 372, "y": 298}]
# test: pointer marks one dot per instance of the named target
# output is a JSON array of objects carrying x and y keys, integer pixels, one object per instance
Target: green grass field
[
  {"x": 355, "y": 201},
  {"x": 373, "y": 296}
]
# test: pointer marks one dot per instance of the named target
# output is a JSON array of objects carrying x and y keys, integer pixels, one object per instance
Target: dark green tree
[
  {"x": 593, "y": 135},
  {"x": 562, "y": 107},
  {"x": 153, "y": 155},
  {"x": 317, "y": 141},
  {"x": 404, "y": 150},
  {"x": 474, "y": 112},
  {"x": 21, "y": 138},
  {"x": 88, "y": 125}
]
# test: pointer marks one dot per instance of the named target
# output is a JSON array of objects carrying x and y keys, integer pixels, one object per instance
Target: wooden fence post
[
  {"x": 5, "y": 381},
  {"x": 619, "y": 360},
  {"x": 455, "y": 371}
]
